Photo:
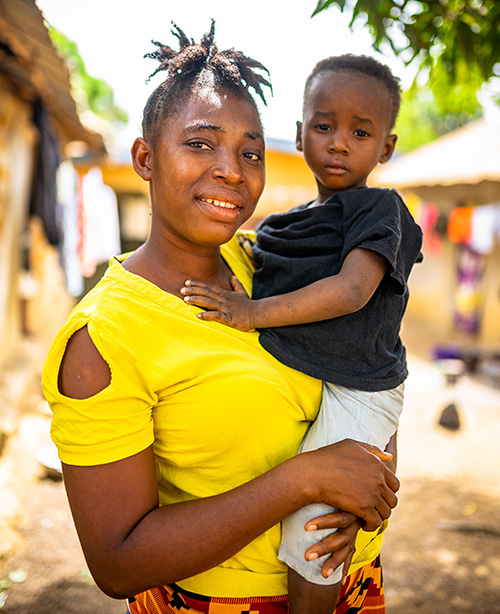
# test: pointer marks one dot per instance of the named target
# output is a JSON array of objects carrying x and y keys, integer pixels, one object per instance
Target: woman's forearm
[{"x": 131, "y": 544}]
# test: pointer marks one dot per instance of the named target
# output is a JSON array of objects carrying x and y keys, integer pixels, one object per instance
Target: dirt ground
[{"x": 441, "y": 554}]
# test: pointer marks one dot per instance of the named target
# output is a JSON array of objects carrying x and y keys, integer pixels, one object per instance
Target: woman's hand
[
  {"x": 235, "y": 309},
  {"x": 352, "y": 476},
  {"x": 340, "y": 544}
]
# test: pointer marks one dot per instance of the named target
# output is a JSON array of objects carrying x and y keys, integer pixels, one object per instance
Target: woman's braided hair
[
  {"x": 195, "y": 66},
  {"x": 365, "y": 65}
]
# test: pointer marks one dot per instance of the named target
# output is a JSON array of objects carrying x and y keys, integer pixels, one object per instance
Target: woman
[{"x": 178, "y": 437}]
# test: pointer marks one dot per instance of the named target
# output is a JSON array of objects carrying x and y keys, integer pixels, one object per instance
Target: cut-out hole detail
[{"x": 83, "y": 372}]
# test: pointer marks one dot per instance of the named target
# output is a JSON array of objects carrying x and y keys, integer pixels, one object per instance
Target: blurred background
[{"x": 73, "y": 83}]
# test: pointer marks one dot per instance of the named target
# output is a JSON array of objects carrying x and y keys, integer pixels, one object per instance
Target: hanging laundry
[
  {"x": 485, "y": 225},
  {"x": 469, "y": 291},
  {"x": 44, "y": 195},
  {"x": 460, "y": 225},
  {"x": 67, "y": 196},
  {"x": 100, "y": 237},
  {"x": 428, "y": 221}
]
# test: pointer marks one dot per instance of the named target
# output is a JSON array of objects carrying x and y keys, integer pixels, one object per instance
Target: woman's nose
[{"x": 228, "y": 168}]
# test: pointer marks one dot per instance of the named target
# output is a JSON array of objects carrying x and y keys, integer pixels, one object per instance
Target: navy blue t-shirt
[{"x": 362, "y": 350}]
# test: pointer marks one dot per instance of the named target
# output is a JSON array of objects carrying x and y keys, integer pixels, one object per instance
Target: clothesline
[{"x": 478, "y": 227}]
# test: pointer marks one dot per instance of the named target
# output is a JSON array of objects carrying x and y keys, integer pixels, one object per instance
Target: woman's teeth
[{"x": 219, "y": 203}]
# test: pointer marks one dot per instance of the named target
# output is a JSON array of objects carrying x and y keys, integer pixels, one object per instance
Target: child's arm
[{"x": 331, "y": 297}]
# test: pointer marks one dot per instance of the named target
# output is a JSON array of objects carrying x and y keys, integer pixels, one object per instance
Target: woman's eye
[
  {"x": 252, "y": 156},
  {"x": 198, "y": 145}
]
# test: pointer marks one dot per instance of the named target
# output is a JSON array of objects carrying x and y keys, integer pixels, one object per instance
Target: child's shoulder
[
  {"x": 370, "y": 193},
  {"x": 370, "y": 199}
]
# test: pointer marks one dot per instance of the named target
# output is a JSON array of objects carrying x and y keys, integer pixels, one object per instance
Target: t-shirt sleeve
[
  {"x": 111, "y": 425},
  {"x": 383, "y": 224}
]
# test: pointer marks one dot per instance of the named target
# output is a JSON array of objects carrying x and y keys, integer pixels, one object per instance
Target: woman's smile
[{"x": 224, "y": 208}]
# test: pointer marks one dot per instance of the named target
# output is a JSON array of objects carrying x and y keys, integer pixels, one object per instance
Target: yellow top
[{"x": 218, "y": 409}]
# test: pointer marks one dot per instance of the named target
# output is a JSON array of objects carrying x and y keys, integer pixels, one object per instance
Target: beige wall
[
  {"x": 32, "y": 302},
  {"x": 17, "y": 138},
  {"x": 432, "y": 282}
]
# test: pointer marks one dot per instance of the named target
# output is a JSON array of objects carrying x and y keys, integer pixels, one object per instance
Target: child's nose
[{"x": 338, "y": 143}]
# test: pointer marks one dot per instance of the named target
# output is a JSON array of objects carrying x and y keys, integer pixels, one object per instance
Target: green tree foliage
[
  {"x": 90, "y": 93},
  {"x": 429, "y": 112},
  {"x": 433, "y": 32}
]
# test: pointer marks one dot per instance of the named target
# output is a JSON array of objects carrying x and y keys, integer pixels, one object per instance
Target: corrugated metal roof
[
  {"x": 35, "y": 60},
  {"x": 468, "y": 155}
]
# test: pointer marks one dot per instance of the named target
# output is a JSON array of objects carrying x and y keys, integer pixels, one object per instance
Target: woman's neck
[{"x": 169, "y": 269}]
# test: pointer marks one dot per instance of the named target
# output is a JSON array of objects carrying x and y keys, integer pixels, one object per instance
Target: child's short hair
[{"x": 365, "y": 65}]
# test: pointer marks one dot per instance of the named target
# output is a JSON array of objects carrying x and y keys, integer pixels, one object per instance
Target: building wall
[
  {"x": 17, "y": 138},
  {"x": 33, "y": 297},
  {"x": 433, "y": 283}
]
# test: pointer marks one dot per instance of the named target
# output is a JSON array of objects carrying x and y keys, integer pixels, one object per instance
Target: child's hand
[{"x": 231, "y": 308}]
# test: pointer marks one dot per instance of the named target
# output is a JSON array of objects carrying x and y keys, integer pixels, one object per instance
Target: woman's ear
[
  {"x": 141, "y": 158},
  {"x": 298, "y": 137},
  {"x": 389, "y": 147}
]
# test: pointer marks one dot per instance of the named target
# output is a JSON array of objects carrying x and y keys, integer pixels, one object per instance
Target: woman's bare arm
[
  {"x": 132, "y": 544},
  {"x": 331, "y": 297}
]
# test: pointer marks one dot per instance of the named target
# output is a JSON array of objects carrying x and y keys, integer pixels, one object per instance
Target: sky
[{"x": 113, "y": 36}]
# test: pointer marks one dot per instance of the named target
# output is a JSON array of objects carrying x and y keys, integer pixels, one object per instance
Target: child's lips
[{"x": 336, "y": 169}]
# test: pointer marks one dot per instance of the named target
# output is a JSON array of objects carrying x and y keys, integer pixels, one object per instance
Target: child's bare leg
[{"x": 308, "y": 598}]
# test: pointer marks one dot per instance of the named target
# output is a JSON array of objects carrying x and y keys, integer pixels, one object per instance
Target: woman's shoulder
[{"x": 238, "y": 255}]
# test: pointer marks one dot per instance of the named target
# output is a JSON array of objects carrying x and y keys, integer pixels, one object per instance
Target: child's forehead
[
  {"x": 344, "y": 77},
  {"x": 328, "y": 86}
]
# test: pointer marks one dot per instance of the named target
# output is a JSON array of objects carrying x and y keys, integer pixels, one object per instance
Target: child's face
[{"x": 345, "y": 131}]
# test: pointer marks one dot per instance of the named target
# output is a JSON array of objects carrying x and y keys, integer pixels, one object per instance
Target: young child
[{"x": 330, "y": 286}]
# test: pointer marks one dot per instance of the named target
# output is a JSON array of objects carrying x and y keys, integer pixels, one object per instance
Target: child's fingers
[
  {"x": 237, "y": 285},
  {"x": 201, "y": 291},
  {"x": 214, "y": 316},
  {"x": 196, "y": 283},
  {"x": 207, "y": 302}
]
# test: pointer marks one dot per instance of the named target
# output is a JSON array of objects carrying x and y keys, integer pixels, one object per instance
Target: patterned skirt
[{"x": 362, "y": 593}]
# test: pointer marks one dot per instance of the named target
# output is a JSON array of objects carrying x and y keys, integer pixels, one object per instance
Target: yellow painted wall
[{"x": 289, "y": 183}]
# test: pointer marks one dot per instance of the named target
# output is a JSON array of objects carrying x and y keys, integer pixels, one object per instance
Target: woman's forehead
[{"x": 216, "y": 109}]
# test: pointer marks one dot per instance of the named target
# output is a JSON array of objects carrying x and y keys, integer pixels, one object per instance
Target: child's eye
[
  {"x": 361, "y": 133},
  {"x": 323, "y": 127}
]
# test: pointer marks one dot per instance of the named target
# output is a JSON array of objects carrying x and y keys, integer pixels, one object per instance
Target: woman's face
[{"x": 207, "y": 169}]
